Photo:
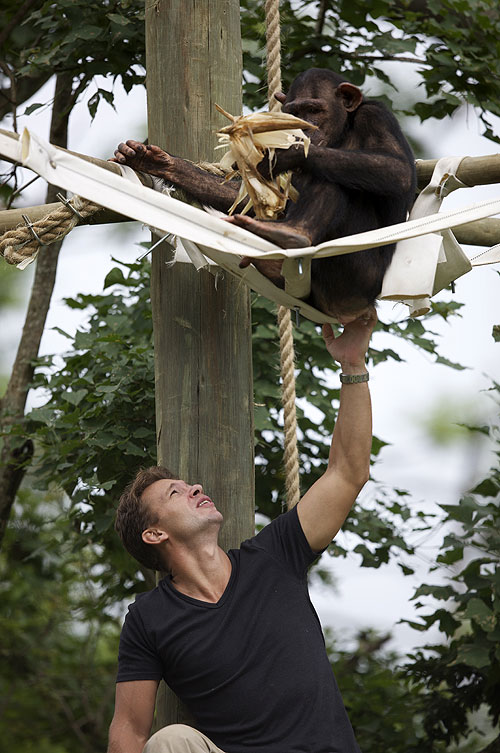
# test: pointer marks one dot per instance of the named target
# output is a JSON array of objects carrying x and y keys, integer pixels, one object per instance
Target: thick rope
[
  {"x": 291, "y": 455},
  {"x": 21, "y": 244},
  {"x": 273, "y": 49}
]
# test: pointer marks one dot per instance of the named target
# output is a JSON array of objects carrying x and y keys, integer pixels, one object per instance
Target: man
[{"x": 235, "y": 635}]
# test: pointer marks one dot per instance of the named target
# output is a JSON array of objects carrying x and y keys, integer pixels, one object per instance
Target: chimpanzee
[{"x": 359, "y": 175}]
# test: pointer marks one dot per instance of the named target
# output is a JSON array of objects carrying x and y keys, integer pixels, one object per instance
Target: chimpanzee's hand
[
  {"x": 284, "y": 160},
  {"x": 148, "y": 159}
]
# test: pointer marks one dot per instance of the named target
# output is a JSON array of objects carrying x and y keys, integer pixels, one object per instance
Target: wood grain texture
[
  {"x": 202, "y": 331},
  {"x": 473, "y": 171}
]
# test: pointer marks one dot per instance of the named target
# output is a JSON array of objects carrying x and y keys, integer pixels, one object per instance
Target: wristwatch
[{"x": 354, "y": 378}]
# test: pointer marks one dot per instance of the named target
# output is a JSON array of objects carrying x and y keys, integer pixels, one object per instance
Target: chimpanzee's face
[
  {"x": 328, "y": 113},
  {"x": 323, "y": 102}
]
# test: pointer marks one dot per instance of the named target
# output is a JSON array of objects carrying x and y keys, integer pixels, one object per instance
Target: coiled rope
[
  {"x": 21, "y": 244},
  {"x": 287, "y": 354}
]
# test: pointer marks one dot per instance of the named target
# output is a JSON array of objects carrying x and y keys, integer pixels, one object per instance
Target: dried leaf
[{"x": 249, "y": 139}]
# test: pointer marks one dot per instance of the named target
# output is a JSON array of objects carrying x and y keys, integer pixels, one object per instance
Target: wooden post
[{"x": 203, "y": 361}]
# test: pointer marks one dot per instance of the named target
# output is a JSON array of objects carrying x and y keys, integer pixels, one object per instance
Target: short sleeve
[
  {"x": 137, "y": 657},
  {"x": 285, "y": 540}
]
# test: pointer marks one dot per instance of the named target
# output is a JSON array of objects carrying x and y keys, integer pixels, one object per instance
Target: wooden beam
[
  {"x": 204, "y": 399},
  {"x": 11, "y": 218},
  {"x": 478, "y": 233},
  {"x": 473, "y": 171}
]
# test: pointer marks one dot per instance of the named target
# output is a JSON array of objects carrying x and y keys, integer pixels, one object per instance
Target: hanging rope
[
  {"x": 291, "y": 455},
  {"x": 20, "y": 245}
]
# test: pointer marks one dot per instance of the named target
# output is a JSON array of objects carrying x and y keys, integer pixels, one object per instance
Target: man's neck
[{"x": 202, "y": 573}]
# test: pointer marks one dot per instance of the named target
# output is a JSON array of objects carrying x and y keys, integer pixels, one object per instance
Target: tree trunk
[
  {"x": 15, "y": 456},
  {"x": 202, "y": 325}
]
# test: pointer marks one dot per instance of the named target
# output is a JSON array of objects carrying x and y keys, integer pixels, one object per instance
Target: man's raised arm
[{"x": 323, "y": 509}]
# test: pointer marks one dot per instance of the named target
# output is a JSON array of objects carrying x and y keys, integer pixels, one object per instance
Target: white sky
[{"x": 404, "y": 395}]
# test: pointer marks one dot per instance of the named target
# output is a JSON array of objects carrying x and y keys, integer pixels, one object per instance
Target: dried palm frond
[{"x": 250, "y": 138}]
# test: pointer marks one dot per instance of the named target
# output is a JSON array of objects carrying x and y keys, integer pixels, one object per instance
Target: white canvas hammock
[{"x": 426, "y": 259}]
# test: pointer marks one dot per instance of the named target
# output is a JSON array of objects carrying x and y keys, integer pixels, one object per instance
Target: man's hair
[{"x": 134, "y": 515}]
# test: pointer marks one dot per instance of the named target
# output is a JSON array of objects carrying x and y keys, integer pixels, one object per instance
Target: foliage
[
  {"x": 463, "y": 674},
  {"x": 383, "y": 706},
  {"x": 97, "y": 426},
  {"x": 86, "y": 39},
  {"x": 58, "y": 649},
  {"x": 454, "y": 46}
]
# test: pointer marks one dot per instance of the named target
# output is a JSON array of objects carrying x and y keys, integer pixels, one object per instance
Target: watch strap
[{"x": 354, "y": 378}]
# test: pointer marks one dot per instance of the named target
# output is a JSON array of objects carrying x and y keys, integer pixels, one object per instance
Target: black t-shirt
[{"x": 251, "y": 668}]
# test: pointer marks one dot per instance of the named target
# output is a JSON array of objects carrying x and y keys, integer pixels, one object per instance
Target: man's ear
[
  {"x": 351, "y": 96},
  {"x": 154, "y": 536}
]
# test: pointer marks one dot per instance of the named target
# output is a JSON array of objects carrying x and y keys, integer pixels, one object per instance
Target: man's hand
[
  {"x": 147, "y": 159},
  {"x": 349, "y": 348}
]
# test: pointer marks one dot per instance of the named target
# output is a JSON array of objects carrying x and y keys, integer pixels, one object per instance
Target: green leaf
[
  {"x": 114, "y": 277},
  {"x": 481, "y": 614},
  {"x": 451, "y": 556},
  {"x": 105, "y": 389},
  {"x": 451, "y": 364},
  {"x": 75, "y": 397},
  {"x": 405, "y": 569},
  {"x": 473, "y": 655},
  {"x": 487, "y": 488},
  {"x": 118, "y": 19},
  {"x": 31, "y": 109},
  {"x": 62, "y": 332},
  {"x": 86, "y": 32}
]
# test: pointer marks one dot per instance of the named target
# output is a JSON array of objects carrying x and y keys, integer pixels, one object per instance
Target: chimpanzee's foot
[
  {"x": 270, "y": 268},
  {"x": 276, "y": 232}
]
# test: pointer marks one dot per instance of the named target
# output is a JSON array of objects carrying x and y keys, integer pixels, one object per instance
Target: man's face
[{"x": 181, "y": 509}]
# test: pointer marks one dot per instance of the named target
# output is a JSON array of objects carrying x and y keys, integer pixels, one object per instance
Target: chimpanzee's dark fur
[
  {"x": 363, "y": 178},
  {"x": 359, "y": 175}
]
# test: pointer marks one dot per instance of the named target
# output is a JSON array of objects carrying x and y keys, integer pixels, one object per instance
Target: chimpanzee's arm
[
  {"x": 373, "y": 156},
  {"x": 377, "y": 173},
  {"x": 201, "y": 185}
]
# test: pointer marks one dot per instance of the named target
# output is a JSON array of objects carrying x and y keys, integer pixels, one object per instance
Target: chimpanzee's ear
[
  {"x": 351, "y": 96},
  {"x": 280, "y": 97}
]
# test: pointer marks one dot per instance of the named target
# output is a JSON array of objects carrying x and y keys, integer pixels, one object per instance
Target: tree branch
[
  {"x": 13, "y": 403},
  {"x": 299, "y": 54},
  {"x": 320, "y": 21}
]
